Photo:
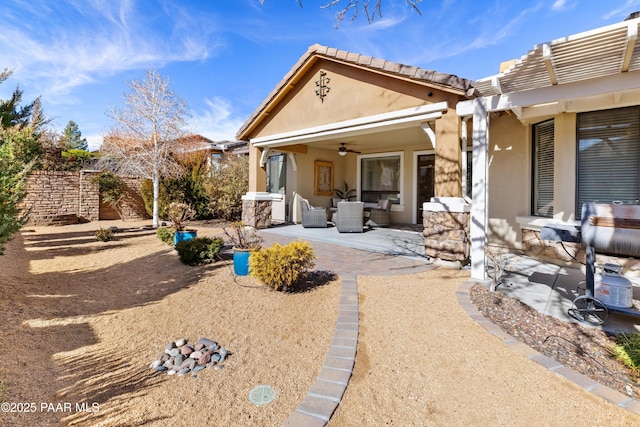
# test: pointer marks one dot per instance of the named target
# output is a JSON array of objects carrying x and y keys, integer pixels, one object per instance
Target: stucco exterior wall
[
  {"x": 353, "y": 93},
  {"x": 509, "y": 179},
  {"x": 564, "y": 185}
]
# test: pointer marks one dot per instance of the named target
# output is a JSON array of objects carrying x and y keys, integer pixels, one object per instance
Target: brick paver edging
[
  {"x": 608, "y": 394},
  {"x": 326, "y": 392}
]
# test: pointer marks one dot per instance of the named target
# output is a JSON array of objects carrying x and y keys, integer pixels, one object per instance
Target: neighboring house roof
[
  {"x": 195, "y": 142},
  {"x": 601, "y": 52},
  {"x": 447, "y": 82}
]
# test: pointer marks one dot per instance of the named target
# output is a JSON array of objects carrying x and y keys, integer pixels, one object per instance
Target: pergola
[{"x": 593, "y": 70}]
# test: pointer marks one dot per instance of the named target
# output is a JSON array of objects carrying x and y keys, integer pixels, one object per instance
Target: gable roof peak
[{"x": 447, "y": 82}]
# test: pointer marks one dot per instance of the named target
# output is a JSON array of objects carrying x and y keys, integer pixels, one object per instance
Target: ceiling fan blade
[{"x": 344, "y": 149}]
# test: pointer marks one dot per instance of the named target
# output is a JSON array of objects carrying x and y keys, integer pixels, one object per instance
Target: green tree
[
  {"x": 20, "y": 130},
  {"x": 72, "y": 138}
]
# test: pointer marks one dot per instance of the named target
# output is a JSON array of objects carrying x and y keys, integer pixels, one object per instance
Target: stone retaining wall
[
  {"x": 63, "y": 198},
  {"x": 555, "y": 253}
]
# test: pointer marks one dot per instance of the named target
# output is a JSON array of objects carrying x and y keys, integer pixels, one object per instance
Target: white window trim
[
  {"x": 414, "y": 183},
  {"x": 394, "y": 207}
]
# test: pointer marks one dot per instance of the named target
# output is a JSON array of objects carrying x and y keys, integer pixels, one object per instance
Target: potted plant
[
  {"x": 346, "y": 193},
  {"x": 244, "y": 240},
  {"x": 180, "y": 214}
]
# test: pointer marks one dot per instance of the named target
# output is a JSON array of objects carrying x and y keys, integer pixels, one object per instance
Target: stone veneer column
[
  {"x": 256, "y": 209},
  {"x": 446, "y": 229}
]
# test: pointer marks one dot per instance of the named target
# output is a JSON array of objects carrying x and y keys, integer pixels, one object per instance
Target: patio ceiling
[{"x": 369, "y": 133}]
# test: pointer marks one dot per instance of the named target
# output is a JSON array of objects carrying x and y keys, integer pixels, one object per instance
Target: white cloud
[
  {"x": 216, "y": 121},
  {"x": 487, "y": 34},
  {"x": 94, "y": 141},
  {"x": 559, "y": 5},
  {"x": 83, "y": 42},
  {"x": 623, "y": 11}
]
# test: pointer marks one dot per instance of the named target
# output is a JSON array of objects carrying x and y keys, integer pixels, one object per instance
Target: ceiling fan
[{"x": 343, "y": 150}]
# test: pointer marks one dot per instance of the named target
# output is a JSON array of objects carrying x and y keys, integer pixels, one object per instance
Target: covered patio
[{"x": 373, "y": 129}]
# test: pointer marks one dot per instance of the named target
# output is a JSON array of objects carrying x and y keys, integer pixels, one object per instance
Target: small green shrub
[
  {"x": 104, "y": 234},
  {"x": 280, "y": 267},
  {"x": 166, "y": 234},
  {"x": 627, "y": 351},
  {"x": 3, "y": 389},
  {"x": 201, "y": 250}
]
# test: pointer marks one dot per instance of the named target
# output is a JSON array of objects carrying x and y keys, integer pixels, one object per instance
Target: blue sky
[{"x": 225, "y": 56}]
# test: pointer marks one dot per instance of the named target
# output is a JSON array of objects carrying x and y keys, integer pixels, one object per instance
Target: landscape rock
[{"x": 181, "y": 358}]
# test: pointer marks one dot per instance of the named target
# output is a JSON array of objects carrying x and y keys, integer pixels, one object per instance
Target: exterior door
[{"x": 425, "y": 179}]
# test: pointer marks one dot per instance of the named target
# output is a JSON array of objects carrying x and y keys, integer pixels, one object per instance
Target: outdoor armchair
[
  {"x": 348, "y": 219},
  {"x": 380, "y": 215},
  {"x": 312, "y": 216}
]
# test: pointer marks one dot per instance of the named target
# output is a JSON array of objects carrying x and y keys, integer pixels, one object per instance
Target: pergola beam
[
  {"x": 629, "y": 45},
  {"x": 547, "y": 58}
]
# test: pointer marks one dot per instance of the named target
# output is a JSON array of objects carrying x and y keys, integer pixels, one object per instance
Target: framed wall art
[{"x": 323, "y": 182}]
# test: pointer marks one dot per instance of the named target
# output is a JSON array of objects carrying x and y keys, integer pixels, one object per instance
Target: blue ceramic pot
[
  {"x": 184, "y": 235},
  {"x": 241, "y": 261}
]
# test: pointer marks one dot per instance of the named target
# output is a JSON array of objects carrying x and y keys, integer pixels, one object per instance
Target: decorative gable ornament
[{"x": 322, "y": 85}]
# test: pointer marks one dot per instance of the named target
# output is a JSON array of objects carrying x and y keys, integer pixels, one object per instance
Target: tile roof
[{"x": 446, "y": 81}]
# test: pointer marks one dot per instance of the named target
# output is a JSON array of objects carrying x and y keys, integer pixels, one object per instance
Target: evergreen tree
[
  {"x": 20, "y": 147},
  {"x": 72, "y": 138}
]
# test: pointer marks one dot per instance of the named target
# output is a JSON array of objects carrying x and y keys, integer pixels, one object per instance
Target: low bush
[
  {"x": 280, "y": 267},
  {"x": 201, "y": 250},
  {"x": 166, "y": 234},
  {"x": 104, "y": 234},
  {"x": 627, "y": 351}
]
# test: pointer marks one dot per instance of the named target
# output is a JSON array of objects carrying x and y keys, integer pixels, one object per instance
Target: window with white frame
[
  {"x": 543, "y": 158},
  {"x": 276, "y": 174},
  {"x": 380, "y": 177},
  {"x": 608, "y": 163}
]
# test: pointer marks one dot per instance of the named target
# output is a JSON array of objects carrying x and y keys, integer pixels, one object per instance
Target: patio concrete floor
[{"x": 551, "y": 290}]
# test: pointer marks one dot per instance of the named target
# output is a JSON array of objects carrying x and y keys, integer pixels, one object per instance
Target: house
[
  {"x": 215, "y": 151},
  {"x": 555, "y": 129},
  {"x": 387, "y": 130}
]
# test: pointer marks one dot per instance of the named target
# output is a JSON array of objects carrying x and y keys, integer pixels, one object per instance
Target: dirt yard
[{"x": 84, "y": 319}]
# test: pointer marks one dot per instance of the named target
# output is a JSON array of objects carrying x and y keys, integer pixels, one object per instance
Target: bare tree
[
  {"x": 371, "y": 8},
  {"x": 145, "y": 132}
]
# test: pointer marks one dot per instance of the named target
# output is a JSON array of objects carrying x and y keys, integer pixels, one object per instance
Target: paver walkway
[
  {"x": 326, "y": 392},
  {"x": 347, "y": 263}
]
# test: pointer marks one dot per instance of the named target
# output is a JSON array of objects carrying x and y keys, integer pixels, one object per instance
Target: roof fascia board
[
  {"x": 414, "y": 114},
  {"x": 363, "y": 129},
  {"x": 583, "y": 89}
]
